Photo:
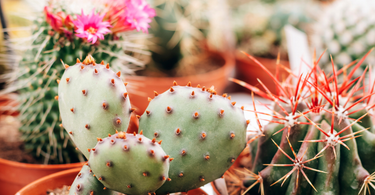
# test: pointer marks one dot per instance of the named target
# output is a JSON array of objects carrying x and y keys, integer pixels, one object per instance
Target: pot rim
[
  {"x": 38, "y": 166},
  {"x": 229, "y": 62},
  {"x": 48, "y": 177}
]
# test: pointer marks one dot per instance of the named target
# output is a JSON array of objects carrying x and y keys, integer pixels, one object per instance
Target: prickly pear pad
[
  {"x": 86, "y": 183},
  {"x": 203, "y": 132},
  {"x": 130, "y": 163},
  {"x": 93, "y": 103}
]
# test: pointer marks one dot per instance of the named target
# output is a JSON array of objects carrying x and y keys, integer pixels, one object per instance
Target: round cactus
[
  {"x": 93, "y": 103},
  {"x": 86, "y": 183},
  {"x": 130, "y": 163},
  {"x": 202, "y": 131},
  {"x": 346, "y": 30}
]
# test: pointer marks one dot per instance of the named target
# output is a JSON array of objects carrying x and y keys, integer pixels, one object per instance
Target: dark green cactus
[
  {"x": 93, "y": 103},
  {"x": 40, "y": 67},
  {"x": 181, "y": 27},
  {"x": 202, "y": 131},
  {"x": 323, "y": 149},
  {"x": 259, "y": 26}
]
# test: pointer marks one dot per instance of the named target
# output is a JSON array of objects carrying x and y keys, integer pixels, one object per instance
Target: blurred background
[
  {"x": 188, "y": 40},
  {"x": 197, "y": 41}
]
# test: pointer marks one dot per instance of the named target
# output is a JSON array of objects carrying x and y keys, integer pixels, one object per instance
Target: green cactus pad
[
  {"x": 203, "y": 132},
  {"x": 130, "y": 163},
  {"x": 93, "y": 103},
  {"x": 86, "y": 183}
]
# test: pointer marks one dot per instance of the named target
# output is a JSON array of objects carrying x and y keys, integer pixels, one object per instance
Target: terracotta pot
[
  {"x": 15, "y": 175},
  {"x": 58, "y": 180},
  {"x": 142, "y": 87},
  {"x": 50, "y": 182},
  {"x": 247, "y": 70}
]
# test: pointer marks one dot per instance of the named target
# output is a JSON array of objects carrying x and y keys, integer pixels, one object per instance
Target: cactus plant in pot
[
  {"x": 60, "y": 37},
  {"x": 190, "y": 43},
  {"x": 319, "y": 138},
  {"x": 182, "y": 129},
  {"x": 259, "y": 28}
]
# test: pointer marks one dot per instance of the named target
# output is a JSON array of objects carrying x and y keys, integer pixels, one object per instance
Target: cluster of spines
[{"x": 320, "y": 92}]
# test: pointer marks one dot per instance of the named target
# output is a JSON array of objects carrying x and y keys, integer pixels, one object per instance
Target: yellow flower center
[{"x": 92, "y": 30}]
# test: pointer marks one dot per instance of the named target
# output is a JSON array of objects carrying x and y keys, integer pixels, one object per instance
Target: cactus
[
  {"x": 319, "y": 139},
  {"x": 181, "y": 27},
  {"x": 130, "y": 163},
  {"x": 57, "y": 39},
  {"x": 86, "y": 183},
  {"x": 93, "y": 102},
  {"x": 346, "y": 30},
  {"x": 202, "y": 131},
  {"x": 259, "y": 26},
  {"x": 210, "y": 132}
]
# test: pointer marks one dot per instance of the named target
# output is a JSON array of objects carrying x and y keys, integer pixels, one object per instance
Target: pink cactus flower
[
  {"x": 92, "y": 27},
  {"x": 54, "y": 20},
  {"x": 138, "y": 14},
  {"x": 126, "y": 15}
]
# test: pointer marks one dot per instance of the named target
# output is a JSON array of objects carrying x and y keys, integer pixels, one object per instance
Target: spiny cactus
[
  {"x": 93, "y": 102},
  {"x": 346, "y": 30},
  {"x": 181, "y": 27},
  {"x": 61, "y": 35},
  {"x": 260, "y": 26},
  {"x": 86, "y": 183},
  {"x": 130, "y": 163},
  {"x": 320, "y": 136},
  {"x": 202, "y": 131},
  {"x": 199, "y": 129}
]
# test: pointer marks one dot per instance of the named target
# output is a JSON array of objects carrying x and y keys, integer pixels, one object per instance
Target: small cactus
[
  {"x": 130, "y": 163},
  {"x": 93, "y": 103},
  {"x": 202, "y": 131}
]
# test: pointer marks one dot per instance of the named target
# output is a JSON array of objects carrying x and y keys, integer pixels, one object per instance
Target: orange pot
[
  {"x": 142, "y": 87},
  {"x": 15, "y": 175},
  {"x": 59, "y": 179},
  {"x": 248, "y": 71}
]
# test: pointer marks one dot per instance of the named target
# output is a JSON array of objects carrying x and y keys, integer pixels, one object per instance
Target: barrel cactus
[
  {"x": 60, "y": 37},
  {"x": 320, "y": 137},
  {"x": 346, "y": 30}
]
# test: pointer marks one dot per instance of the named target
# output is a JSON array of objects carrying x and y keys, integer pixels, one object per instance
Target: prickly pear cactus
[
  {"x": 93, "y": 103},
  {"x": 130, "y": 163},
  {"x": 203, "y": 132},
  {"x": 320, "y": 137},
  {"x": 346, "y": 30},
  {"x": 87, "y": 183}
]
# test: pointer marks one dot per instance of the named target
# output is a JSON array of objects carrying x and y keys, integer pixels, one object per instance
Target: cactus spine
[{"x": 324, "y": 147}]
